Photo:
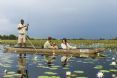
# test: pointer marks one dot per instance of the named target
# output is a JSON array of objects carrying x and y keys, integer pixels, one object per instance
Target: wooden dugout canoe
[{"x": 55, "y": 51}]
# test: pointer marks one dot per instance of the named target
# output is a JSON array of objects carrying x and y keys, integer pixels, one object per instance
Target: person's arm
[
  {"x": 20, "y": 27},
  {"x": 71, "y": 47}
]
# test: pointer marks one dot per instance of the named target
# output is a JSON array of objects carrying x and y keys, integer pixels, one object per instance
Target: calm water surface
[{"x": 38, "y": 66}]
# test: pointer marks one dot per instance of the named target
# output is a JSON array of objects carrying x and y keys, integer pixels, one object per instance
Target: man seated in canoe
[
  {"x": 66, "y": 45},
  {"x": 49, "y": 44}
]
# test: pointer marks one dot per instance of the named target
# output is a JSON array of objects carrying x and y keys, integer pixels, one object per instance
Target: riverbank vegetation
[{"x": 78, "y": 43}]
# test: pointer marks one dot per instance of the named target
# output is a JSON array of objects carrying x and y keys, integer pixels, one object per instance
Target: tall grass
[{"x": 39, "y": 43}]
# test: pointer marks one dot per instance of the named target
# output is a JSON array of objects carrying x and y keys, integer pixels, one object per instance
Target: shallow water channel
[{"x": 44, "y": 66}]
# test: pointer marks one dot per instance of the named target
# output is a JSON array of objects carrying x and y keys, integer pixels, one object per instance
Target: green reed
[{"x": 86, "y": 43}]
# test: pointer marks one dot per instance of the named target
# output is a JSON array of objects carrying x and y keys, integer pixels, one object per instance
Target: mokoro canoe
[{"x": 56, "y": 51}]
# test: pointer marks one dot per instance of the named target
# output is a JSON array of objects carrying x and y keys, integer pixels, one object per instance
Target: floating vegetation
[
  {"x": 8, "y": 76},
  {"x": 105, "y": 71},
  {"x": 79, "y": 61},
  {"x": 81, "y": 77},
  {"x": 79, "y": 71},
  {"x": 55, "y": 66},
  {"x": 113, "y": 63},
  {"x": 48, "y": 77},
  {"x": 10, "y": 73},
  {"x": 113, "y": 70},
  {"x": 102, "y": 55},
  {"x": 65, "y": 68},
  {"x": 78, "y": 67},
  {"x": 6, "y": 65},
  {"x": 51, "y": 68},
  {"x": 98, "y": 67},
  {"x": 42, "y": 66},
  {"x": 50, "y": 73},
  {"x": 73, "y": 75},
  {"x": 17, "y": 75}
]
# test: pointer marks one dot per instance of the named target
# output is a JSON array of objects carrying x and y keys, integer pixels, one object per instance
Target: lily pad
[
  {"x": 53, "y": 68},
  {"x": 50, "y": 73},
  {"x": 18, "y": 75},
  {"x": 43, "y": 77},
  {"x": 78, "y": 71},
  {"x": 65, "y": 68},
  {"x": 105, "y": 71},
  {"x": 98, "y": 67},
  {"x": 73, "y": 75},
  {"x": 113, "y": 70},
  {"x": 10, "y": 73},
  {"x": 48, "y": 77},
  {"x": 81, "y": 77},
  {"x": 8, "y": 76},
  {"x": 42, "y": 66}
]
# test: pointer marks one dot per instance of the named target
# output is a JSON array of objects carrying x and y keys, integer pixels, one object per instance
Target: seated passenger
[
  {"x": 48, "y": 43},
  {"x": 65, "y": 44},
  {"x": 54, "y": 46}
]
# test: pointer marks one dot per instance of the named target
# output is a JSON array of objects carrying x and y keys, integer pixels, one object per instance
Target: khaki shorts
[{"x": 21, "y": 38}]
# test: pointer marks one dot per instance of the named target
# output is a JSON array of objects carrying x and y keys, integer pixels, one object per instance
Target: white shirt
[
  {"x": 47, "y": 44},
  {"x": 67, "y": 46},
  {"x": 64, "y": 46},
  {"x": 22, "y": 30}
]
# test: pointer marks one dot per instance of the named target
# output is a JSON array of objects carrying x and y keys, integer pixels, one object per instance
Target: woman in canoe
[{"x": 66, "y": 45}]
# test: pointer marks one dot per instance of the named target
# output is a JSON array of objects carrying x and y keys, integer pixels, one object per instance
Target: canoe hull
[{"x": 55, "y": 51}]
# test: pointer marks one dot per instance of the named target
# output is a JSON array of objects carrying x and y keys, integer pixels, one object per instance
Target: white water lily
[
  {"x": 113, "y": 63},
  {"x": 68, "y": 73},
  {"x": 113, "y": 58},
  {"x": 100, "y": 75},
  {"x": 113, "y": 75}
]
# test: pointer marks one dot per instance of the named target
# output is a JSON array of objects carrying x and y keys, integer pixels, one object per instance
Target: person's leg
[
  {"x": 24, "y": 40},
  {"x": 19, "y": 41}
]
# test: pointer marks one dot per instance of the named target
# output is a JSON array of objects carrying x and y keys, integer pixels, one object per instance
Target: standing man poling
[{"x": 22, "y": 33}]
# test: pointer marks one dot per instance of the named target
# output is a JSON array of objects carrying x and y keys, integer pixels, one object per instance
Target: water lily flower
[
  {"x": 100, "y": 75},
  {"x": 113, "y": 58},
  {"x": 113, "y": 63},
  {"x": 68, "y": 73},
  {"x": 113, "y": 75}
]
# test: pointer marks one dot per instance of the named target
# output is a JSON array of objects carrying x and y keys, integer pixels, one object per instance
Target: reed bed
[{"x": 78, "y": 43}]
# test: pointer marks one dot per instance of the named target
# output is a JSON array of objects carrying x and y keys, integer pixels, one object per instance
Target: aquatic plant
[{"x": 100, "y": 74}]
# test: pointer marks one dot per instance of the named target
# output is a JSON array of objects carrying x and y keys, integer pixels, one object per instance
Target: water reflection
[
  {"x": 22, "y": 67},
  {"x": 22, "y": 55},
  {"x": 49, "y": 59},
  {"x": 84, "y": 67}
]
